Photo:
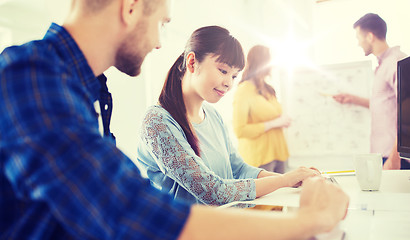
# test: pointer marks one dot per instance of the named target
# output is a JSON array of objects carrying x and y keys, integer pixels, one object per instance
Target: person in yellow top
[{"x": 257, "y": 115}]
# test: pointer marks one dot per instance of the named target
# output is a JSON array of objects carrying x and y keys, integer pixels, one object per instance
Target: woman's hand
[
  {"x": 280, "y": 122},
  {"x": 296, "y": 177}
]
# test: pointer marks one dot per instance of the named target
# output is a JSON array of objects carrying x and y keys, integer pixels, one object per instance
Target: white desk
[
  {"x": 378, "y": 215},
  {"x": 383, "y": 214}
]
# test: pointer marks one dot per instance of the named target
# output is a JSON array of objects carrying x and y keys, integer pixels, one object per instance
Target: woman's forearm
[
  {"x": 269, "y": 184},
  {"x": 265, "y": 173}
]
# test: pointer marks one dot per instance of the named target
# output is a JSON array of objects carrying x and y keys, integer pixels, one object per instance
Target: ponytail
[{"x": 171, "y": 99}]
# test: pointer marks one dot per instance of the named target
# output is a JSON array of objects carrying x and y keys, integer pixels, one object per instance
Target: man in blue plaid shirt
[{"x": 59, "y": 179}]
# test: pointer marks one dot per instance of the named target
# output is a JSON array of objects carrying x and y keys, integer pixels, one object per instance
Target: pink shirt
[{"x": 383, "y": 102}]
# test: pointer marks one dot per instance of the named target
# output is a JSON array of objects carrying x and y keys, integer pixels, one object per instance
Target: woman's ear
[{"x": 190, "y": 62}]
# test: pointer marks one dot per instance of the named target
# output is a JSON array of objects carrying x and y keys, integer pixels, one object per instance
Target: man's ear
[
  {"x": 131, "y": 11},
  {"x": 370, "y": 37},
  {"x": 190, "y": 62}
]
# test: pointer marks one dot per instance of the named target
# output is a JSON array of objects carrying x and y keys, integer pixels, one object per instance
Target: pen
[{"x": 344, "y": 171}]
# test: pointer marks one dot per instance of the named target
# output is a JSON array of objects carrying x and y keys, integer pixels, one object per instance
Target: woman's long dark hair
[
  {"x": 211, "y": 40},
  {"x": 258, "y": 66}
]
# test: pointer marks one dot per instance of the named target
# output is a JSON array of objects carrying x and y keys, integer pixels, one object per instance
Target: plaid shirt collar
[{"x": 75, "y": 59}]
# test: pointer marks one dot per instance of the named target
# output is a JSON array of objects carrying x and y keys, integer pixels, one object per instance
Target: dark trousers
[{"x": 404, "y": 164}]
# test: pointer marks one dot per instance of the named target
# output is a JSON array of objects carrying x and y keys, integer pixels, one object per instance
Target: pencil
[
  {"x": 325, "y": 94},
  {"x": 344, "y": 171}
]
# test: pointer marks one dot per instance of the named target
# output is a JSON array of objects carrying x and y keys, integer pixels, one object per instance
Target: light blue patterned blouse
[{"x": 219, "y": 176}]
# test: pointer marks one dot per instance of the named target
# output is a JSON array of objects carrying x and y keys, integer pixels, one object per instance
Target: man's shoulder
[
  {"x": 39, "y": 53},
  {"x": 39, "y": 64},
  {"x": 395, "y": 54}
]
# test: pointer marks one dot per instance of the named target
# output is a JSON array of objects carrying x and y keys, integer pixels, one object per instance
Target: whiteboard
[{"x": 320, "y": 125}]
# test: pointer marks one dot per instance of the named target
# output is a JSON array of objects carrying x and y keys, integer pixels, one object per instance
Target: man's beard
[
  {"x": 127, "y": 60},
  {"x": 368, "y": 51},
  {"x": 128, "y": 63}
]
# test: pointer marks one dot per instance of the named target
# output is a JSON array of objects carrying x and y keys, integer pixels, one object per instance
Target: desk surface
[
  {"x": 394, "y": 193},
  {"x": 383, "y": 214}
]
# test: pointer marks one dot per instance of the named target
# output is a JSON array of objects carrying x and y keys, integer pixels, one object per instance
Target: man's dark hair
[{"x": 373, "y": 23}]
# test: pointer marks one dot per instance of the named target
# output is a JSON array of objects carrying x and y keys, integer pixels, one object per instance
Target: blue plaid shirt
[{"x": 59, "y": 179}]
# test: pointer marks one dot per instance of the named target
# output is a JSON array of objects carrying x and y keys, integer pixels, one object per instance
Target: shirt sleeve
[
  {"x": 56, "y": 158},
  {"x": 165, "y": 139},
  {"x": 393, "y": 79},
  {"x": 241, "y": 111},
  {"x": 240, "y": 168}
]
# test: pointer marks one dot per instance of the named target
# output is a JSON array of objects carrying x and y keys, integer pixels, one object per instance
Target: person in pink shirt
[{"x": 371, "y": 35}]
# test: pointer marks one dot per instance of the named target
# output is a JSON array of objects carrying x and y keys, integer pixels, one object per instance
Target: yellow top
[{"x": 250, "y": 111}]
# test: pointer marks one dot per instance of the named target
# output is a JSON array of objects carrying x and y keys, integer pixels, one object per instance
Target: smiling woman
[
  {"x": 205, "y": 42},
  {"x": 185, "y": 147}
]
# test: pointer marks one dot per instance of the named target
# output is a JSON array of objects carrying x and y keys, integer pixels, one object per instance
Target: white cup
[{"x": 369, "y": 171}]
